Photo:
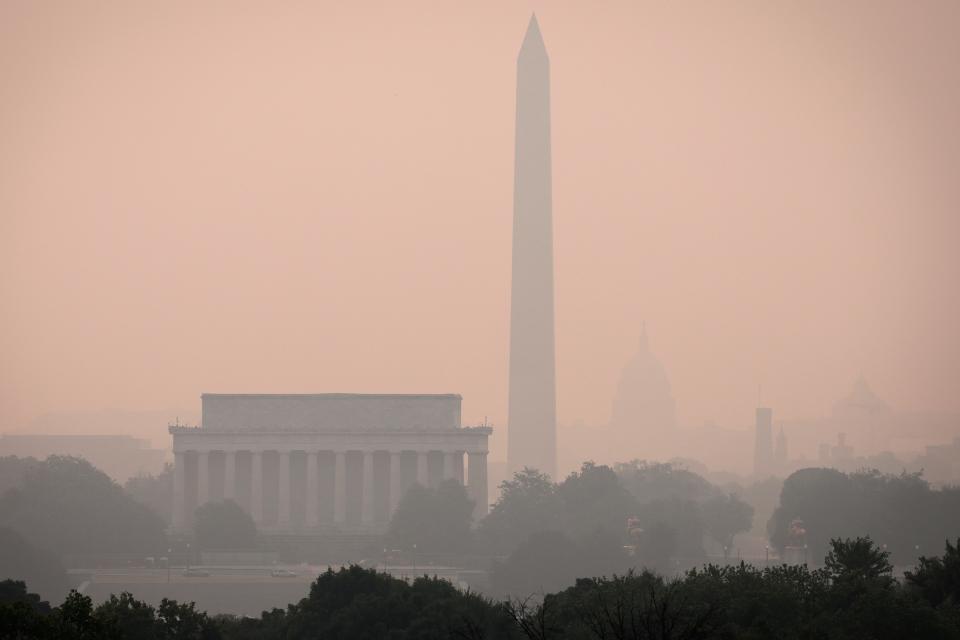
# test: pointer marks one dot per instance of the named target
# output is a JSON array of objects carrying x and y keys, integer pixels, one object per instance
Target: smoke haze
[{"x": 318, "y": 197}]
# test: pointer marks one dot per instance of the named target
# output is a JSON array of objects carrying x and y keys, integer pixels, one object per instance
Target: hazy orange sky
[{"x": 316, "y": 196}]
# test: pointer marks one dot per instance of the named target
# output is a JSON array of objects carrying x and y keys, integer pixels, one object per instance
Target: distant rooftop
[{"x": 330, "y": 412}]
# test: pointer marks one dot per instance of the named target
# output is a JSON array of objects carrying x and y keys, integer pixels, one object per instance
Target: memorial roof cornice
[{"x": 183, "y": 430}]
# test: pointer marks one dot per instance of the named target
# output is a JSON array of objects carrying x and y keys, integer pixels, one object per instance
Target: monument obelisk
[{"x": 531, "y": 426}]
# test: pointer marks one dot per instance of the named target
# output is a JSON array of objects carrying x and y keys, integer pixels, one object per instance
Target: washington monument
[{"x": 532, "y": 438}]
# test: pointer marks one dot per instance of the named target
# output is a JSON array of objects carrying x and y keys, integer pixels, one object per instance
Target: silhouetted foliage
[
  {"x": 528, "y": 504},
  {"x": 224, "y": 525},
  {"x": 594, "y": 498},
  {"x": 363, "y": 604},
  {"x": 724, "y": 516},
  {"x": 549, "y": 560},
  {"x": 901, "y": 513},
  {"x": 13, "y": 470},
  {"x": 650, "y": 481},
  {"x": 154, "y": 491},
  {"x": 685, "y": 503},
  {"x": 67, "y": 505},
  {"x": 436, "y": 520},
  {"x": 857, "y": 559},
  {"x": 655, "y": 546},
  {"x": 673, "y": 507},
  {"x": 938, "y": 579},
  {"x": 19, "y": 560},
  {"x": 852, "y": 598}
]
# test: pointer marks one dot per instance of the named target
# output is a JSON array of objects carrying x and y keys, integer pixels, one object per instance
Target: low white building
[{"x": 318, "y": 463}]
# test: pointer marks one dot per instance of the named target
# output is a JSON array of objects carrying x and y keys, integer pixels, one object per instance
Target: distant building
[
  {"x": 875, "y": 426},
  {"x": 644, "y": 405},
  {"x": 120, "y": 457},
  {"x": 862, "y": 404},
  {"x": 780, "y": 453},
  {"x": 324, "y": 463},
  {"x": 823, "y": 454},
  {"x": 841, "y": 452},
  {"x": 763, "y": 443}
]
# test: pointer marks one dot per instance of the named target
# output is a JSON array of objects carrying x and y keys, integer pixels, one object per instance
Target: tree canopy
[
  {"x": 528, "y": 503},
  {"x": 436, "y": 520},
  {"x": 225, "y": 526},
  {"x": 41, "y": 569},
  {"x": 67, "y": 505},
  {"x": 900, "y": 512},
  {"x": 851, "y": 598},
  {"x": 154, "y": 491}
]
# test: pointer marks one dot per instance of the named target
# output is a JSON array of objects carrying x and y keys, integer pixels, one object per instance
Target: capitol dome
[{"x": 644, "y": 400}]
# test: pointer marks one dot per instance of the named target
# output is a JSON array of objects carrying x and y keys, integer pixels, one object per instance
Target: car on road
[{"x": 283, "y": 573}]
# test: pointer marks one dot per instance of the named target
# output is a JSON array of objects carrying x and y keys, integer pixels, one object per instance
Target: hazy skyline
[{"x": 314, "y": 198}]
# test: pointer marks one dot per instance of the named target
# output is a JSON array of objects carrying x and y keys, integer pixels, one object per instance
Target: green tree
[
  {"x": 656, "y": 546},
  {"x": 857, "y": 559},
  {"x": 41, "y": 569},
  {"x": 68, "y": 505},
  {"x": 682, "y": 517},
  {"x": 154, "y": 491},
  {"x": 436, "y": 520},
  {"x": 22, "y": 614},
  {"x": 124, "y": 616},
  {"x": 13, "y": 470},
  {"x": 724, "y": 516},
  {"x": 900, "y": 511},
  {"x": 73, "y": 619},
  {"x": 528, "y": 503},
  {"x": 649, "y": 481},
  {"x": 938, "y": 578},
  {"x": 594, "y": 498},
  {"x": 182, "y": 621},
  {"x": 363, "y": 604},
  {"x": 224, "y": 525},
  {"x": 549, "y": 560}
]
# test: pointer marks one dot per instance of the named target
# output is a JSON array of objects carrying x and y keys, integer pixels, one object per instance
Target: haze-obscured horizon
[{"x": 314, "y": 198}]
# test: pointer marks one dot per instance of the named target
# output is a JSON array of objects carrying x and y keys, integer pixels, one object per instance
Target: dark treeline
[
  {"x": 854, "y": 596},
  {"x": 643, "y": 522},
  {"x": 901, "y": 512}
]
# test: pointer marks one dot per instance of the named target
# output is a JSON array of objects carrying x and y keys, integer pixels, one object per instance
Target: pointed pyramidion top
[{"x": 533, "y": 41}]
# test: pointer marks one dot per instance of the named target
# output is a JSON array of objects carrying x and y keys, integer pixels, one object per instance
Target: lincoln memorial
[{"x": 324, "y": 463}]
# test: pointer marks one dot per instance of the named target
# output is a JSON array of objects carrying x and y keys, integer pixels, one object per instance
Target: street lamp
[
  {"x": 169, "y": 553},
  {"x": 767, "y": 548},
  {"x": 414, "y": 560}
]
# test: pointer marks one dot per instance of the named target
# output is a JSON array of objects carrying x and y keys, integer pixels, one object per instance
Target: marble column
[
  {"x": 396, "y": 480},
  {"x": 203, "y": 477},
  {"x": 340, "y": 488},
  {"x": 477, "y": 483},
  {"x": 448, "y": 465},
  {"x": 230, "y": 475},
  {"x": 458, "y": 467},
  {"x": 422, "y": 475},
  {"x": 256, "y": 487},
  {"x": 366, "y": 511},
  {"x": 179, "y": 513},
  {"x": 284, "y": 498},
  {"x": 313, "y": 489}
]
